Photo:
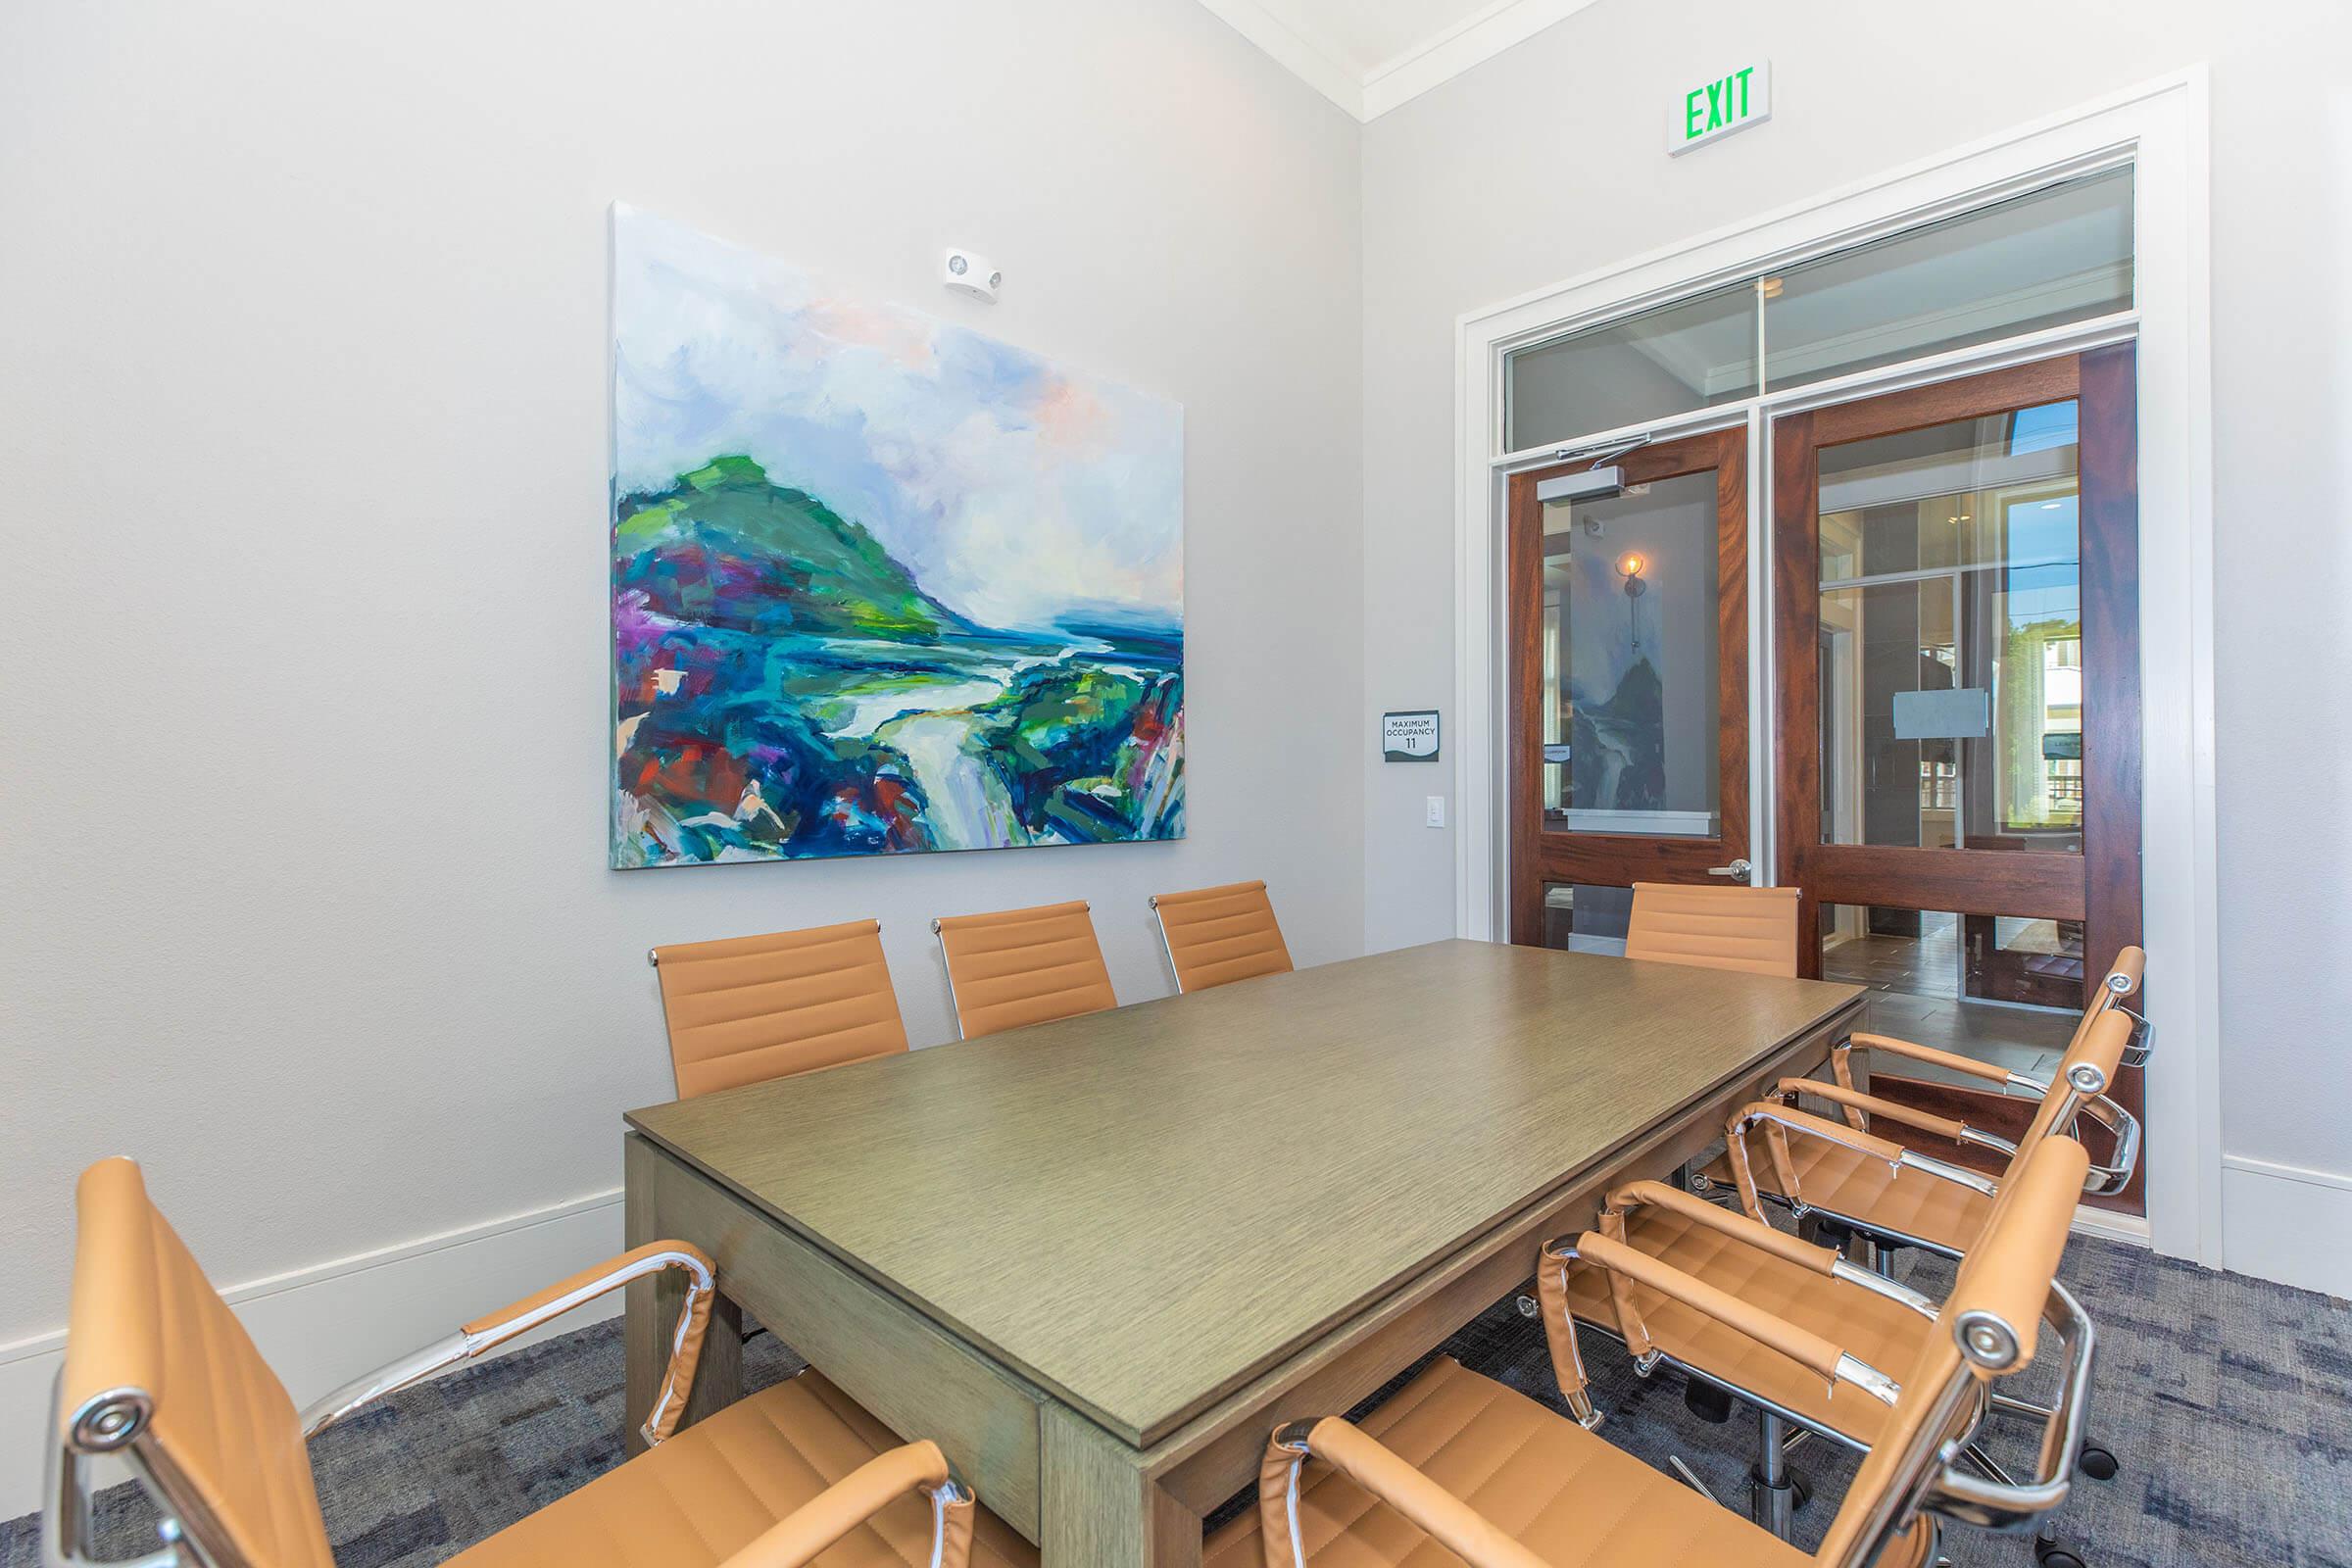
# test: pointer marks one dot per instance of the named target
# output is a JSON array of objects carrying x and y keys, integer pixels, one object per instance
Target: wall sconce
[{"x": 1630, "y": 567}]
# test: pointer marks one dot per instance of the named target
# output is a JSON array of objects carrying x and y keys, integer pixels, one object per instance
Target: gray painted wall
[
  {"x": 303, "y": 419},
  {"x": 1547, "y": 162}
]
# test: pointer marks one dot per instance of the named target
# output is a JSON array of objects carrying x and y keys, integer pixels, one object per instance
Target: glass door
[
  {"x": 1629, "y": 727},
  {"x": 1958, "y": 732}
]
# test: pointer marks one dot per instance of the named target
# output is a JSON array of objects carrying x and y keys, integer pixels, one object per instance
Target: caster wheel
[
  {"x": 2056, "y": 1556},
  {"x": 2096, "y": 1462},
  {"x": 1802, "y": 1485},
  {"x": 1706, "y": 1402}
]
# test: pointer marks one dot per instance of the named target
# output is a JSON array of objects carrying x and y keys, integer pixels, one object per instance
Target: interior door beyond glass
[{"x": 1629, "y": 727}]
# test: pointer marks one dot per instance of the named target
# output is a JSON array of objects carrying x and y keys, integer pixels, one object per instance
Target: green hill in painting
[
  {"x": 724, "y": 548},
  {"x": 785, "y": 689}
]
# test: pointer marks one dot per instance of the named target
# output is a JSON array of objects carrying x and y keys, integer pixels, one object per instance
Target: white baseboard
[
  {"x": 2286, "y": 1223},
  {"x": 324, "y": 1324},
  {"x": 2111, "y": 1226}
]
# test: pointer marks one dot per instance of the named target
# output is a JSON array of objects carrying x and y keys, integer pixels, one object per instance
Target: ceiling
[{"x": 1368, "y": 56}]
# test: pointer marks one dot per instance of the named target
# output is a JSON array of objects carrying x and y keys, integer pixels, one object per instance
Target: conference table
[{"x": 1098, "y": 1259}]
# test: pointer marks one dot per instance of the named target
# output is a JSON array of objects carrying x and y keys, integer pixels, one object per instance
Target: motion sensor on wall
[{"x": 968, "y": 273}]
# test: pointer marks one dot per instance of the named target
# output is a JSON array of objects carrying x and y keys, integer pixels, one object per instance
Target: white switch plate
[{"x": 1436, "y": 810}]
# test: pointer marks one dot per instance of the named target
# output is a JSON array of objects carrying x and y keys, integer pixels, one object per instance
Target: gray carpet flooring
[{"x": 2229, "y": 1402}]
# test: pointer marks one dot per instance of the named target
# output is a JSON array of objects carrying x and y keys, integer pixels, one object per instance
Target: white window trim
[{"x": 2162, "y": 127}]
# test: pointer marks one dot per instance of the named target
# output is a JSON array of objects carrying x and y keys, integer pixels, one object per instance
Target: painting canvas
[{"x": 880, "y": 583}]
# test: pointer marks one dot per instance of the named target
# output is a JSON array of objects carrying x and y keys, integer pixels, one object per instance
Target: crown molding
[
  {"x": 1439, "y": 58},
  {"x": 1444, "y": 56}
]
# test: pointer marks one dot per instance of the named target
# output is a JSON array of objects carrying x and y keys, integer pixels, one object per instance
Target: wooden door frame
[
  {"x": 2102, "y": 886},
  {"x": 1610, "y": 858}
]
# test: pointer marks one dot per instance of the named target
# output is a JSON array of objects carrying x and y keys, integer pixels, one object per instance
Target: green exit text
[{"x": 1730, "y": 102}]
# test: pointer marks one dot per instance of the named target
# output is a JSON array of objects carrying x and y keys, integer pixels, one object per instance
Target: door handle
[{"x": 1738, "y": 870}]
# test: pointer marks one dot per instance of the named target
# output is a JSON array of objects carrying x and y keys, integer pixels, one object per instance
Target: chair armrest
[
  {"x": 1854, "y": 1099},
  {"x": 815, "y": 1524},
  {"x": 494, "y": 1329},
  {"x": 1446, "y": 1518},
  {"x": 1811, "y": 1256},
  {"x": 1833, "y": 1363},
  {"x": 1778, "y": 1121},
  {"x": 1840, "y": 1056}
]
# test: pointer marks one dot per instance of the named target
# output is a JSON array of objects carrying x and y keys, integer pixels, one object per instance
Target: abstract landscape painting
[{"x": 880, "y": 583}]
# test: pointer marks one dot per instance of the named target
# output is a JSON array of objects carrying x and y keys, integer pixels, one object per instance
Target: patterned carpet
[{"x": 2229, "y": 1402}]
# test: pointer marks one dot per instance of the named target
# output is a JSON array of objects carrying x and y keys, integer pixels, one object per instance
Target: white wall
[
  {"x": 1548, "y": 162},
  {"x": 303, "y": 422}
]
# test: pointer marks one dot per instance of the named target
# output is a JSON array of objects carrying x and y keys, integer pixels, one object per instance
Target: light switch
[{"x": 1436, "y": 810}]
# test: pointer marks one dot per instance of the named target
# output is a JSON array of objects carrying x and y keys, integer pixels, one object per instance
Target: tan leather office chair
[
  {"x": 1502, "y": 1482},
  {"x": 743, "y": 1010},
  {"x": 1751, "y": 929},
  {"x": 1754, "y": 1266},
  {"x": 160, "y": 1373},
  {"x": 1791, "y": 1164},
  {"x": 1215, "y": 936},
  {"x": 1022, "y": 966}
]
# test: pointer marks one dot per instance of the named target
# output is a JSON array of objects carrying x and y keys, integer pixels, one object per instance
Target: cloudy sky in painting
[{"x": 1021, "y": 493}]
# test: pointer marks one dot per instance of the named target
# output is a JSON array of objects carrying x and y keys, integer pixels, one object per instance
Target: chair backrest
[
  {"x": 744, "y": 1009},
  {"x": 1215, "y": 936},
  {"x": 1754, "y": 929},
  {"x": 1988, "y": 1327},
  {"x": 1023, "y": 966},
  {"x": 158, "y": 1370}
]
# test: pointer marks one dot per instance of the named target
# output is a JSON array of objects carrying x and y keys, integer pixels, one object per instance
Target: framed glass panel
[
  {"x": 2051, "y": 257},
  {"x": 1997, "y": 987},
  {"x": 1688, "y": 355},
  {"x": 1581, "y": 917},
  {"x": 2048, "y": 258},
  {"x": 1951, "y": 636},
  {"x": 1632, "y": 698}
]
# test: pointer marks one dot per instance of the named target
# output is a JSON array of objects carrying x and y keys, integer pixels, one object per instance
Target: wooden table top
[{"x": 1138, "y": 1211}]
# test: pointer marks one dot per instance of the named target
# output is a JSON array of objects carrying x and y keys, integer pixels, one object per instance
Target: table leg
[
  {"x": 1101, "y": 1510},
  {"x": 652, "y": 1323}
]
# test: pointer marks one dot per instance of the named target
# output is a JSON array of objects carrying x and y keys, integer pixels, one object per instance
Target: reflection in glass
[
  {"x": 1690, "y": 355},
  {"x": 1582, "y": 918},
  {"x": 1632, "y": 691},
  {"x": 1998, "y": 988},
  {"x": 1951, "y": 636},
  {"x": 2051, "y": 257}
]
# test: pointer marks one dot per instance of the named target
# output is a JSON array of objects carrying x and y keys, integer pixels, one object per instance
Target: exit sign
[{"x": 1733, "y": 101}]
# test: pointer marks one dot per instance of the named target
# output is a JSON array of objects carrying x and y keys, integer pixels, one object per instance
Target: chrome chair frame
[
  {"x": 955, "y": 1004},
  {"x": 2087, "y": 1096},
  {"x": 443, "y": 1354},
  {"x": 1766, "y": 1507},
  {"x": 1167, "y": 948},
  {"x": 116, "y": 1422},
  {"x": 1955, "y": 1476}
]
